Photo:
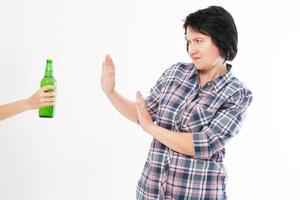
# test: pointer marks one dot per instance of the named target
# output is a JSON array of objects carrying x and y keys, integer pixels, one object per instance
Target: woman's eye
[{"x": 198, "y": 41}]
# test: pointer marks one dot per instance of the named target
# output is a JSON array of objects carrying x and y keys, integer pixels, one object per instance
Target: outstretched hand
[
  {"x": 144, "y": 118},
  {"x": 108, "y": 80}
]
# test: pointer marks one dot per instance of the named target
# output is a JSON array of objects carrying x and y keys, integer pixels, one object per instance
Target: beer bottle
[{"x": 48, "y": 111}]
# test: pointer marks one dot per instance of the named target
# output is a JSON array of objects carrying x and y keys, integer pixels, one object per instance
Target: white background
[{"x": 89, "y": 151}]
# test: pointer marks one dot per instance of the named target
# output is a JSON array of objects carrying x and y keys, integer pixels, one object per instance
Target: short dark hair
[{"x": 217, "y": 23}]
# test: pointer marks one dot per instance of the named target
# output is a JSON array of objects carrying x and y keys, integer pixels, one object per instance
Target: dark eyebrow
[{"x": 194, "y": 38}]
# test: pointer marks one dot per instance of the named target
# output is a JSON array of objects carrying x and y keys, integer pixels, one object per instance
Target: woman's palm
[{"x": 108, "y": 75}]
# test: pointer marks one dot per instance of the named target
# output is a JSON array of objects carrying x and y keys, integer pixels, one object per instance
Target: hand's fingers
[
  {"x": 49, "y": 94},
  {"x": 107, "y": 69},
  {"x": 138, "y": 111},
  {"x": 142, "y": 103},
  {"x": 138, "y": 107},
  {"x": 47, "y": 87},
  {"x": 142, "y": 109},
  {"x": 108, "y": 72},
  {"x": 46, "y": 104},
  {"x": 109, "y": 61},
  {"x": 138, "y": 95},
  {"x": 138, "y": 99},
  {"x": 138, "y": 115},
  {"x": 47, "y": 100}
]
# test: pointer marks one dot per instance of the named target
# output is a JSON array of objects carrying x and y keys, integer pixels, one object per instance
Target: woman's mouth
[{"x": 196, "y": 58}]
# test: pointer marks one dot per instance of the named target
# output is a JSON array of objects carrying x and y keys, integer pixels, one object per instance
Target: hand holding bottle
[{"x": 42, "y": 98}]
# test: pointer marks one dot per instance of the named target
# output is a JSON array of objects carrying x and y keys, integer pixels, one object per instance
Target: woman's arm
[
  {"x": 108, "y": 81},
  {"x": 124, "y": 106},
  {"x": 177, "y": 141},
  {"x": 37, "y": 100},
  {"x": 211, "y": 138}
]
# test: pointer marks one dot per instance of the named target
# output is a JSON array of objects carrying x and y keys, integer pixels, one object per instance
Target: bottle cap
[{"x": 49, "y": 60}]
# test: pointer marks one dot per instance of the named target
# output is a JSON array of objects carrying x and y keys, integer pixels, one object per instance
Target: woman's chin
[{"x": 199, "y": 66}]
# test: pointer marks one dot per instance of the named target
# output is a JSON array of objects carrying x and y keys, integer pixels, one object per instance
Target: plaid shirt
[{"x": 212, "y": 114}]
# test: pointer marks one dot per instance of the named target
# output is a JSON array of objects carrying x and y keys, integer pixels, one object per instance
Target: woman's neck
[{"x": 211, "y": 74}]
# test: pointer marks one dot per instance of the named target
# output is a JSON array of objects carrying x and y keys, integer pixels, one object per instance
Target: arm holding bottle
[{"x": 39, "y": 99}]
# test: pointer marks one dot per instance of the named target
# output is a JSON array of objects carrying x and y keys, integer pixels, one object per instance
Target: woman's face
[{"x": 203, "y": 52}]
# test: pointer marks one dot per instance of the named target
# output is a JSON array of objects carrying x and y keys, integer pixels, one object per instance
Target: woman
[
  {"x": 191, "y": 112},
  {"x": 39, "y": 99}
]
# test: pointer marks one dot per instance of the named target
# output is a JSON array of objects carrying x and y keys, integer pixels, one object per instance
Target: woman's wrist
[
  {"x": 110, "y": 94},
  {"x": 150, "y": 128}
]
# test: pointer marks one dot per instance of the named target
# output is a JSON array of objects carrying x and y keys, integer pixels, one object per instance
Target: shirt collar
[{"x": 219, "y": 82}]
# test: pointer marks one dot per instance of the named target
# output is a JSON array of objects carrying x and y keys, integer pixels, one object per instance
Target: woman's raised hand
[{"x": 108, "y": 80}]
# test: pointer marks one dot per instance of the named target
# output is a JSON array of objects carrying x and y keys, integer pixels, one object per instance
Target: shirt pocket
[{"x": 202, "y": 113}]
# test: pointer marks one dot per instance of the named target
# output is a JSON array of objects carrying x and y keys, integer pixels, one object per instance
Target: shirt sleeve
[
  {"x": 152, "y": 101},
  {"x": 225, "y": 124}
]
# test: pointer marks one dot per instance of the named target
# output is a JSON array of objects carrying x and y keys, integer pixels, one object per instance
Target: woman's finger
[
  {"x": 109, "y": 62},
  {"x": 142, "y": 104},
  {"x": 139, "y": 101},
  {"x": 138, "y": 107},
  {"x": 138, "y": 114}
]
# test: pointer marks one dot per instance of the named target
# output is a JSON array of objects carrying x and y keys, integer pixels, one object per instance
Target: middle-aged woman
[{"x": 192, "y": 111}]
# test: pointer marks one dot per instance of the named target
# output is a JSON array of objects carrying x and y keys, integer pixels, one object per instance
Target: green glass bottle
[{"x": 48, "y": 112}]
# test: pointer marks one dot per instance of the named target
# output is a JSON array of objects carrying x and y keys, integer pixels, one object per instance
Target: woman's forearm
[
  {"x": 14, "y": 108},
  {"x": 126, "y": 107},
  {"x": 178, "y": 141}
]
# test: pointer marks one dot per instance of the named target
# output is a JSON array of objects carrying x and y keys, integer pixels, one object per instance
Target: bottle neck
[{"x": 48, "y": 70}]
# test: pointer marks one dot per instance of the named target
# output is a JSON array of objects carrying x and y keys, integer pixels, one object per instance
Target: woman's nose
[{"x": 192, "y": 51}]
